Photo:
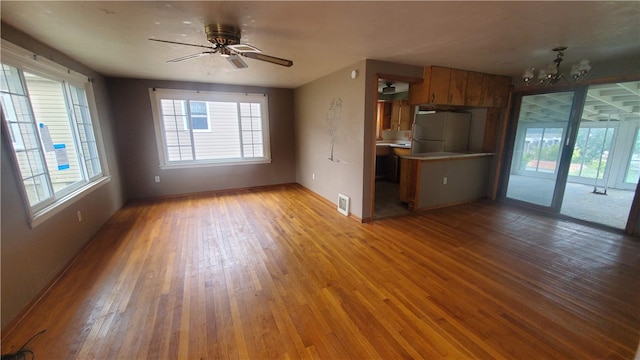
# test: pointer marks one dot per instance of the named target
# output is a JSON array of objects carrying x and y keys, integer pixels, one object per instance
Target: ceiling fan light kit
[
  {"x": 237, "y": 62},
  {"x": 551, "y": 73},
  {"x": 225, "y": 40}
]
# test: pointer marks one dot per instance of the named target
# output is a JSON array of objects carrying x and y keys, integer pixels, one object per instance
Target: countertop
[
  {"x": 397, "y": 144},
  {"x": 443, "y": 156}
]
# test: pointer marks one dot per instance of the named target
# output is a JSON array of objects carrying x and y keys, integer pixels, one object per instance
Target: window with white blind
[
  {"x": 47, "y": 113},
  {"x": 195, "y": 128}
]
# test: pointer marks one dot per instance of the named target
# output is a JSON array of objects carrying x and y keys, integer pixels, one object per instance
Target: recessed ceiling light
[{"x": 187, "y": 22}]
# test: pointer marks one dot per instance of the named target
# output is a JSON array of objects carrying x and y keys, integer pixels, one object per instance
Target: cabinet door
[
  {"x": 406, "y": 115},
  {"x": 501, "y": 87},
  {"x": 457, "y": 87},
  {"x": 440, "y": 78},
  {"x": 476, "y": 88},
  {"x": 420, "y": 93}
]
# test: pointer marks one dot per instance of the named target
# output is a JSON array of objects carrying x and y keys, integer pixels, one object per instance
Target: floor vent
[{"x": 343, "y": 204}]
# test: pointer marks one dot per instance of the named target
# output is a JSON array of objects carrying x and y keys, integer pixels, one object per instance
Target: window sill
[
  {"x": 211, "y": 164},
  {"x": 55, "y": 208}
]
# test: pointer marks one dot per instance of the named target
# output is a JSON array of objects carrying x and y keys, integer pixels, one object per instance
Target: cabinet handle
[{"x": 433, "y": 98}]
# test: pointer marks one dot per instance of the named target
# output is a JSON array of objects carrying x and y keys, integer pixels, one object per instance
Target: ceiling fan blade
[
  {"x": 180, "y": 43},
  {"x": 192, "y": 56},
  {"x": 268, "y": 58},
  {"x": 243, "y": 48}
]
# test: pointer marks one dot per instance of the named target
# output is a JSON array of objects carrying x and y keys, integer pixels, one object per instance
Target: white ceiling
[{"x": 322, "y": 37}]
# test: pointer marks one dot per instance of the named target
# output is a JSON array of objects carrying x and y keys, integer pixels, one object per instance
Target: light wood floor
[{"x": 279, "y": 273}]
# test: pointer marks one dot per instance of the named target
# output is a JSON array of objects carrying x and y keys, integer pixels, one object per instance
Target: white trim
[
  {"x": 26, "y": 61},
  {"x": 157, "y": 94},
  {"x": 48, "y": 212},
  {"x": 184, "y": 165}
]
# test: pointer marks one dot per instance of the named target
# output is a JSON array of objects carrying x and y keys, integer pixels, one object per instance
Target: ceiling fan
[{"x": 226, "y": 42}]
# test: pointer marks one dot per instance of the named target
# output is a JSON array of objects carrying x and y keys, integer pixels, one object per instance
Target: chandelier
[{"x": 551, "y": 73}]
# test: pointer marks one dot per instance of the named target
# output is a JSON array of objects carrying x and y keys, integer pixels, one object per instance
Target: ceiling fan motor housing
[{"x": 222, "y": 34}]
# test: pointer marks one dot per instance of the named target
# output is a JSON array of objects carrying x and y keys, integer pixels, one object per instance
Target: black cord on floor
[{"x": 23, "y": 352}]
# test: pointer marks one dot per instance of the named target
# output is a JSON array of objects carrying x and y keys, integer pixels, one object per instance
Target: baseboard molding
[
  {"x": 40, "y": 295},
  {"x": 213, "y": 192},
  {"x": 328, "y": 202}
]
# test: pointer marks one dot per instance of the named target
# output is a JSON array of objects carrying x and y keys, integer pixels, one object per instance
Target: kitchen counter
[
  {"x": 431, "y": 180},
  {"x": 431, "y": 156}
]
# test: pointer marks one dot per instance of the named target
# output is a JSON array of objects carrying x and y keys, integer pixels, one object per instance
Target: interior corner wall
[
  {"x": 140, "y": 161},
  {"x": 329, "y": 146},
  {"x": 375, "y": 68},
  {"x": 31, "y": 258}
]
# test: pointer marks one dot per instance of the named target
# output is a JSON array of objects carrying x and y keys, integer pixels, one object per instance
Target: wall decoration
[{"x": 333, "y": 120}]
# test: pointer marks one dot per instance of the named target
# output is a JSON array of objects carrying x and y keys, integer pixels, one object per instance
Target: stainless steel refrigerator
[{"x": 440, "y": 132}]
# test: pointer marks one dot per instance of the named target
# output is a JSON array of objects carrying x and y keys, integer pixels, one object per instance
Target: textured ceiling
[{"x": 322, "y": 37}]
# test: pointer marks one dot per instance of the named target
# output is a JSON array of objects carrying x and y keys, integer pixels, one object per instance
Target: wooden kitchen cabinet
[
  {"x": 486, "y": 90},
  {"x": 401, "y": 115},
  {"x": 501, "y": 87},
  {"x": 409, "y": 180},
  {"x": 445, "y": 86},
  {"x": 477, "y": 89},
  {"x": 440, "y": 85}
]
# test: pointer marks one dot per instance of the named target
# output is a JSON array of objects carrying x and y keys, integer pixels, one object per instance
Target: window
[
  {"x": 196, "y": 128},
  {"x": 47, "y": 115},
  {"x": 591, "y": 152},
  {"x": 541, "y": 150},
  {"x": 199, "y": 116}
]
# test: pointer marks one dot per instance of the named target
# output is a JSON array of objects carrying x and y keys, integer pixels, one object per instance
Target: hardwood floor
[{"x": 278, "y": 273}]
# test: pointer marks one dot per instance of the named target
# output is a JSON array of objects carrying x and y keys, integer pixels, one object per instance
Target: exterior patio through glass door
[{"x": 577, "y": 152}]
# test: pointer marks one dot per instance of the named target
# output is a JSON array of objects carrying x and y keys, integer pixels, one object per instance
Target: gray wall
[
  {"x": 313, "y": 142},
  {"x": 353, "y": 172},
  {"x": 32, "y": 257},
  {"x": 136, "y": 141}
]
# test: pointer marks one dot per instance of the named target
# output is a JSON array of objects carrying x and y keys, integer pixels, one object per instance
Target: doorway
[
  {"x": 393, "y": 128},
  {"x": 577, "y": 152}
]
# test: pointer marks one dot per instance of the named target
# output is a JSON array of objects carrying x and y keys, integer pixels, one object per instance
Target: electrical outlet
[
  {"x": 79, "y": 216},
  {"x": 444, "y": 180},
  {"x": 157, "y": 178}
]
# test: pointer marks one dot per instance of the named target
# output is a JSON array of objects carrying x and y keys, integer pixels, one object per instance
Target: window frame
[
  {"x": 158, "y": 94},
  {"x": 26, "y": 61}
]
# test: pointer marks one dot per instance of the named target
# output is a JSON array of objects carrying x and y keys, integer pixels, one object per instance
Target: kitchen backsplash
[{"x": 396, "y": 135}]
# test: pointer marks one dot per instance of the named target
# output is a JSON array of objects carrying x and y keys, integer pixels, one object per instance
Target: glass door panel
[
  {"x": 541, "y": 134},
  {"x": 605, "y": 162},
  {"x": 633, "y": 168}
]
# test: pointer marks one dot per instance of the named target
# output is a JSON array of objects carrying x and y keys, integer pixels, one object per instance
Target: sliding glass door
[
  {"x": 576, "y": 152},
  {"x": 542, "y": 147}
]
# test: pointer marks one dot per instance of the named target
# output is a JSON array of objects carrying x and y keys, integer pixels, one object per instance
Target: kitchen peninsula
[{"x": 437, "y": 179}]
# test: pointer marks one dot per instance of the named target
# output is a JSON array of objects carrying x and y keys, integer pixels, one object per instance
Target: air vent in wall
[{"x": 343, "y": 204}]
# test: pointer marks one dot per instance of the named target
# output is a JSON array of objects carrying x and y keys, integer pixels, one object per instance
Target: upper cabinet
[{"x": 453, "y": 87}]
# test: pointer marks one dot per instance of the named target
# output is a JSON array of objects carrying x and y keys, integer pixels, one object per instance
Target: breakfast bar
[{"x": 437, "y": 179}]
